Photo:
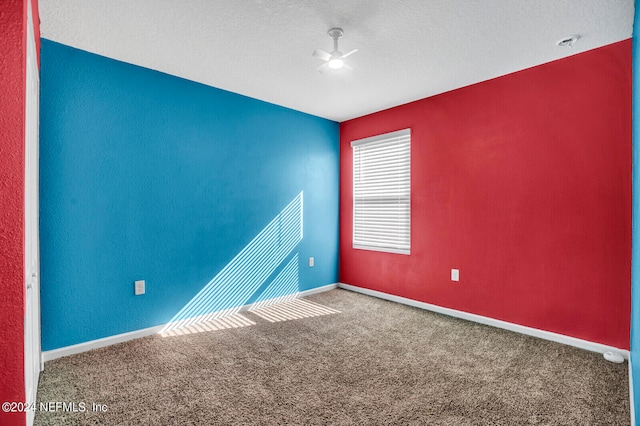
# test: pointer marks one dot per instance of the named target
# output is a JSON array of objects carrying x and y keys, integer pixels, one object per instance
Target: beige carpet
[{"x": 371, "y": 362}]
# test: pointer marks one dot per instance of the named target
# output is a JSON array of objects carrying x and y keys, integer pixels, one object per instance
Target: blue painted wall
[
  {"x": 635, "y": 253},
  {"x": 149, "y": 176}
]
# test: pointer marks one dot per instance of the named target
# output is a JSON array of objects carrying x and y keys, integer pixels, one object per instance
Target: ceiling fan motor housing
[{"x": 335, "y": 33}]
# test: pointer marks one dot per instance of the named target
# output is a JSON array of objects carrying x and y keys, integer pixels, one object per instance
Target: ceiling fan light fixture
[{"x": 335, "y": 63}]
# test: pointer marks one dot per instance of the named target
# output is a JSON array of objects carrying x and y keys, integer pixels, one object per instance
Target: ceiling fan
[{"x": 335, "y": 59}]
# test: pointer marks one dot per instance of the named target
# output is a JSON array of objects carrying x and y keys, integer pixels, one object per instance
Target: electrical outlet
[
  {"x": 455, "y": 275},
  {"x": 139, "y": 287},
  {"x": 312, "y": 262}
]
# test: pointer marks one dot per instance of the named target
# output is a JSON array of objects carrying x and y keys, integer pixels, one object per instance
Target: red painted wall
[
  {"x": 523, "y": 183},
  {"x": 13, "y": 23}
]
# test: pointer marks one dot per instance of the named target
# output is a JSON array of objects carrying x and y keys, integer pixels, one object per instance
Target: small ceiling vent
[{"x": 568, "y": 41}]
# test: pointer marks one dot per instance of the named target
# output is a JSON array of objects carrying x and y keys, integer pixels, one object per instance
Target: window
[{"x": 382, "y": 192}]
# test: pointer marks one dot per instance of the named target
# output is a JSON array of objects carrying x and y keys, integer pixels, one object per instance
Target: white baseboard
[
  {"x": 632, "y": 410},
  {"x": 119, "y": 338},
  {"x": 542, "y": 334}
]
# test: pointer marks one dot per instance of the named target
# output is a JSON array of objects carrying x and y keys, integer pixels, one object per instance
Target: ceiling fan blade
[
  {"x": 323, "y": 68},
  {"x": 349, "y": 53},
  {"x": 319, "y": 53},
  {"x": 347, "y": 67}
]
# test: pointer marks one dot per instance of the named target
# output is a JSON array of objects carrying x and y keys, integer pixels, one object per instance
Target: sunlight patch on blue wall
[
  {"x": 284, "y": 286},
  {"x": 239, "y": 280}
]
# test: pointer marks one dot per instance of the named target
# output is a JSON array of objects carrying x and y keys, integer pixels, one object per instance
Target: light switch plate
[
  {"x": 455, "y": 275},
  {"x": 139, "y": 287}
]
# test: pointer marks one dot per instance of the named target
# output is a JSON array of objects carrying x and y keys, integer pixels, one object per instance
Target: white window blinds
[{"x": 382, "y": 192}]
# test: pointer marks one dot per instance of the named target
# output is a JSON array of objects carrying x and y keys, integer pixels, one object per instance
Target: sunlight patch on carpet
[
  {"x": 291, "y": 310},
  {"x": 222, "y": 323}
]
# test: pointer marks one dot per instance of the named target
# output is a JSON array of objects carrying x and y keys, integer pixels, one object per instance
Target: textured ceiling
[{"x": 408, "y": 49}]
